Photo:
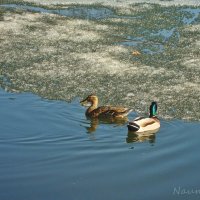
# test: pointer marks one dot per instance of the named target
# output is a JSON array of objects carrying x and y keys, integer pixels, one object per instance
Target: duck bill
[{"x": 85, "y": 103}]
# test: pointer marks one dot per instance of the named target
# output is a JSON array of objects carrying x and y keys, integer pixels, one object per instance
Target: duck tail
[
  {"x": 126, "y": 113},
  {"x": 133, "y": 126}
]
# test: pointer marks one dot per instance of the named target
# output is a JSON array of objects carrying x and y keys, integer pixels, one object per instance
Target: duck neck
[
  {"x": 94, "y": 105},
  {"x": 155, "y": 118}
]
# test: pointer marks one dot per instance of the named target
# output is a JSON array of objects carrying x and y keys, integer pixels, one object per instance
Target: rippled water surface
[
  {"x": 50, "y": 151},
  {"x": 47, "y": 152}
]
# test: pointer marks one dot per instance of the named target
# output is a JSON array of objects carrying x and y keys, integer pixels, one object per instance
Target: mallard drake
[
  {"x": 103, "y": 111},
  {"x": 150, "y": 124}
]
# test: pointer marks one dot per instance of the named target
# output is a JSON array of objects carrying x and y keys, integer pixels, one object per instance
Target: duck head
[
  {"x": 153, "y": 109},
  {"x": 91, "y": 100}
]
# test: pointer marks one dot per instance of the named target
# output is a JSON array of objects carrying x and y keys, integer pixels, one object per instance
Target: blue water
[{"x": 46, "y": 152}]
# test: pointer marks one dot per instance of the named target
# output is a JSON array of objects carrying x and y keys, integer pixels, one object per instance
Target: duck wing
[
  {"x": 118, "y": 111},
  {"x": 146, "y": 122},
  {"x": 144, "y": 125},
  {"x": 110, "y": 111}
]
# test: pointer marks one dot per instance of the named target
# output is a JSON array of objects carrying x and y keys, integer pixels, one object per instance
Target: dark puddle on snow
[
  {"x": 147, "y": 44},
  {"x": 76, "y": 12}
]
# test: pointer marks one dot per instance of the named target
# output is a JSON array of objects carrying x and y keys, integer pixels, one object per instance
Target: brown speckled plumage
[{"x": 104, "y": 111}]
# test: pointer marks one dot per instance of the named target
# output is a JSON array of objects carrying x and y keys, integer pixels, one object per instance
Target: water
[
  {"x": 46, "y": 152},
  {"x": 49, "y": 150},
  {"x": 194, "y": 13}
]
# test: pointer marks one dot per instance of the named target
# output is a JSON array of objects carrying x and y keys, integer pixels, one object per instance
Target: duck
[
  {"x": 146, "y": 125},
  {"x": 103, "y": 111}
]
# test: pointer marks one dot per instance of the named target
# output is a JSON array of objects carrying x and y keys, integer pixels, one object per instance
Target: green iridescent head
[{"x": 153, "y": 109}]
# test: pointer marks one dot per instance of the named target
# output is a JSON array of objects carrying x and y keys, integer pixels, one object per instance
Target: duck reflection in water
[
  {"x": 141, "y": 137},
  {"x": 95, "y": 122}
]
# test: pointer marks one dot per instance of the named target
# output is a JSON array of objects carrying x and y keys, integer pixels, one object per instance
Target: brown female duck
[{"x": 103, "y": 111}]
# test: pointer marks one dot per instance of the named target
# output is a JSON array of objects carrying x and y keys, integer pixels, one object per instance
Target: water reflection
[
  {"x": 141, "y": 137},
  {"x": 95, "y": 122}
]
